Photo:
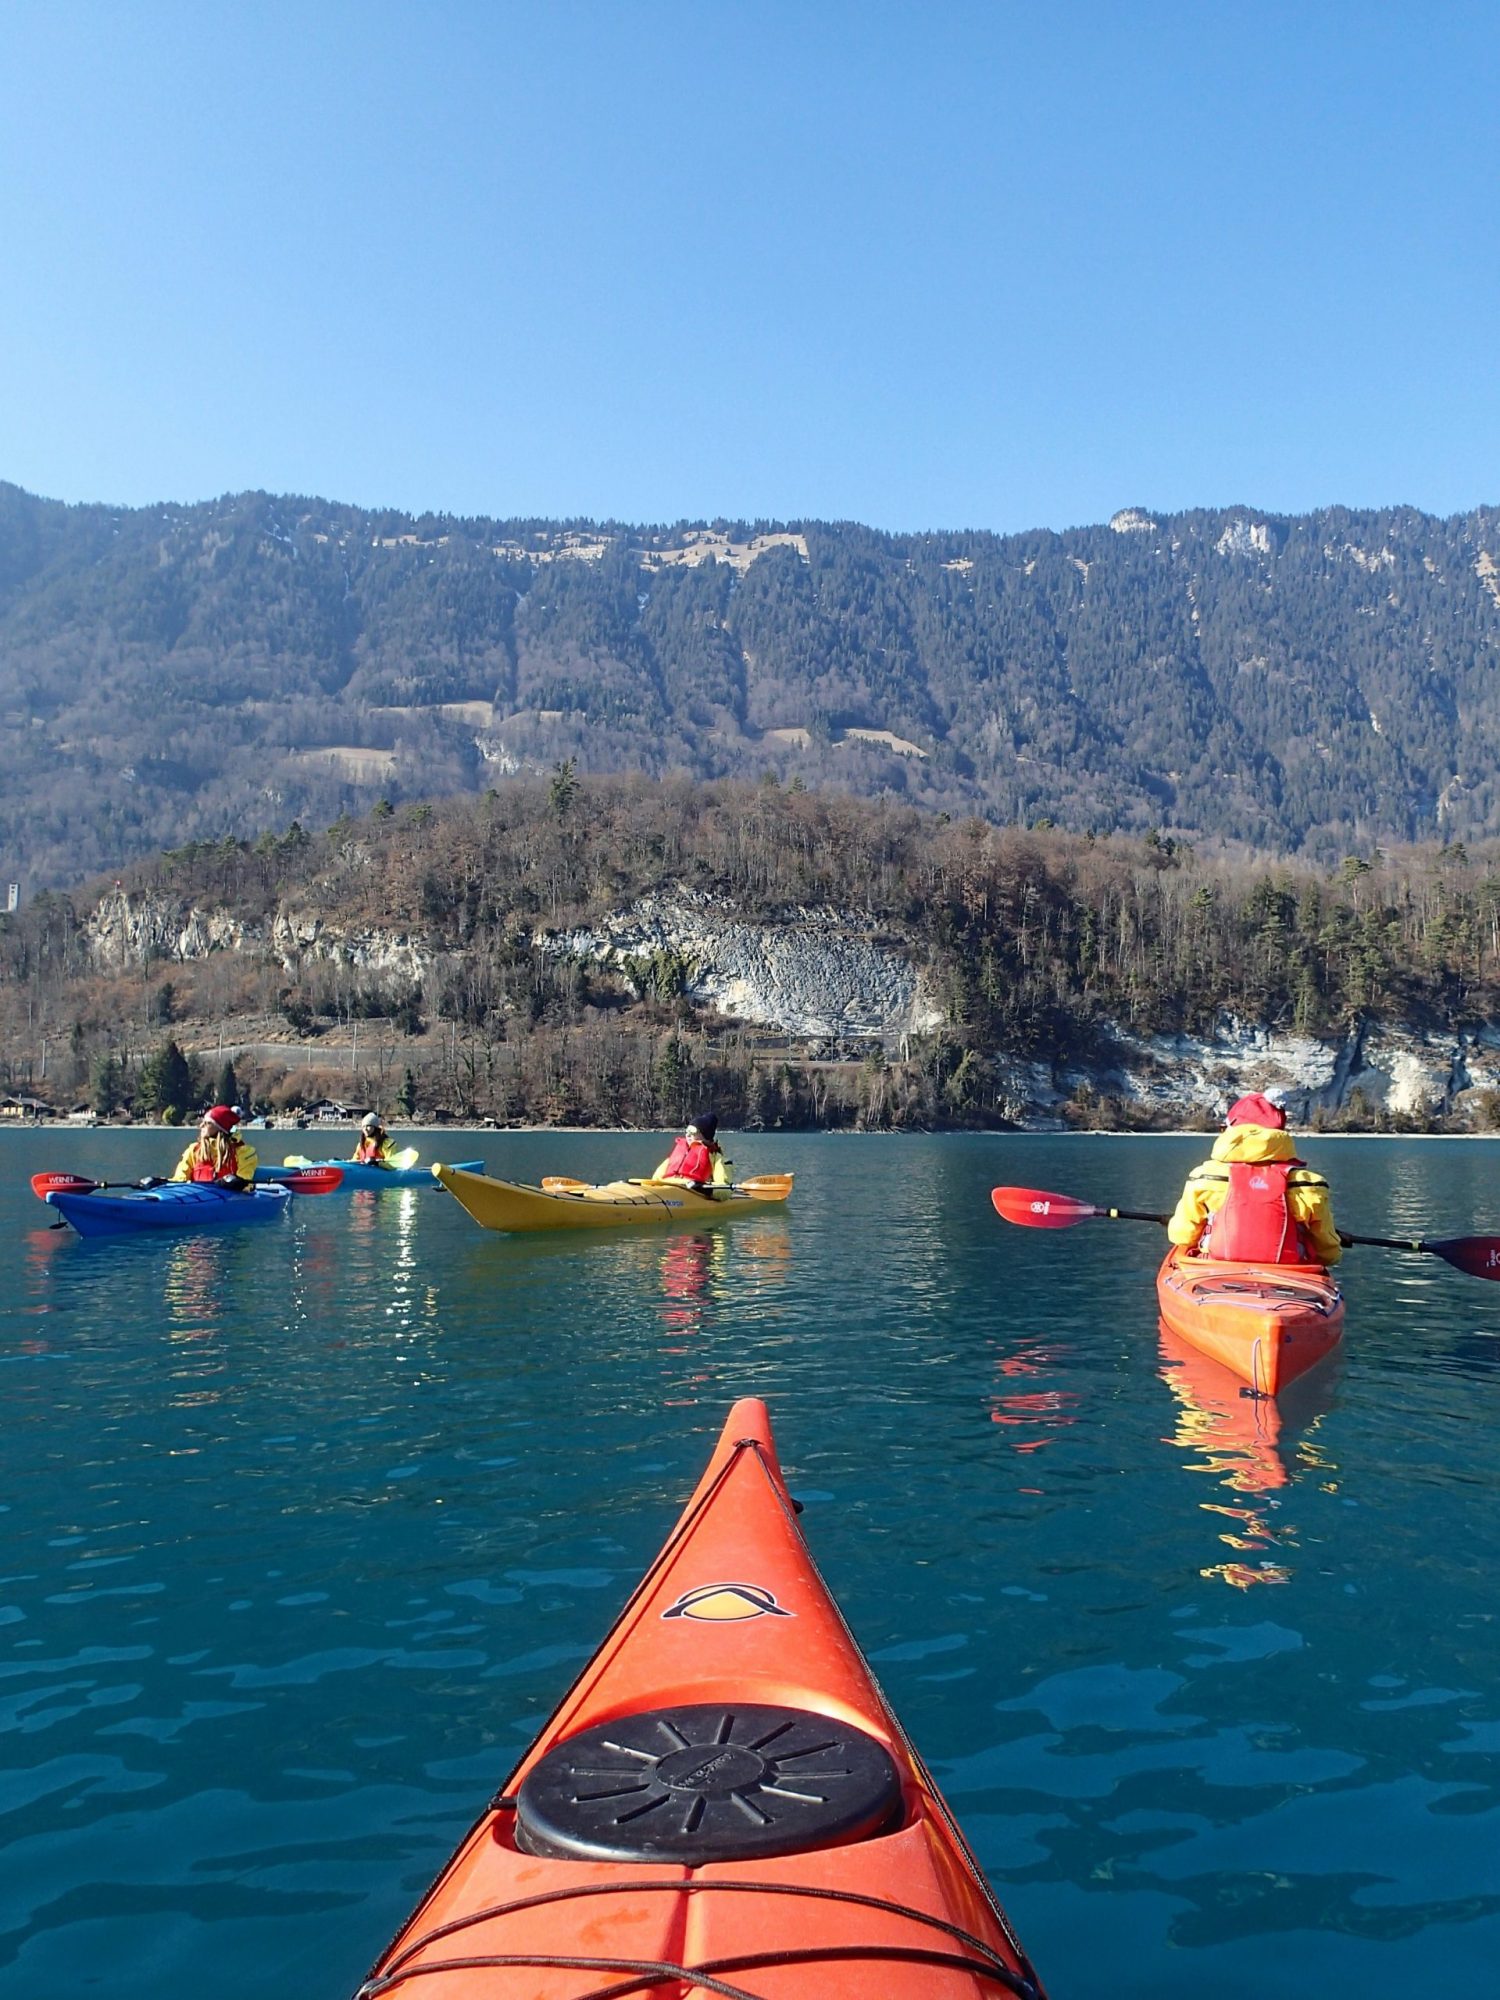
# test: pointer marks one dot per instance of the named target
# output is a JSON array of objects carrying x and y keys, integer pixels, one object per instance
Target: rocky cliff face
[
  {"x": 127, "y": 933},
  {"x": 1390, "y": 1067},
  {"x": 819, "y": 974},
  {"x": 813, "y": 972}
]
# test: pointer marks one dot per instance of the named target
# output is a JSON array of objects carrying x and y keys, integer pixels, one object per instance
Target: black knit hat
[{"x": 707, "y": 1125}]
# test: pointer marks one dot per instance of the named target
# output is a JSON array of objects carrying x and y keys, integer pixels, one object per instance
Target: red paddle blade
[
  {"x": 315, "y": 1180},
  {"x": 1034, "y": 1208},
  {"x": 44, "y": 1184},
  {"x": 1478, "y": 1256}
]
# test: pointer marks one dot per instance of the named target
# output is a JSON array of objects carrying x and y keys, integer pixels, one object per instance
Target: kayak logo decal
[{"x": 727, "y": 1604}]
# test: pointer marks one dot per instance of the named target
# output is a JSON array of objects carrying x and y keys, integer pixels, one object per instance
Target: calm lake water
[{"x": 305, "y": 1530}]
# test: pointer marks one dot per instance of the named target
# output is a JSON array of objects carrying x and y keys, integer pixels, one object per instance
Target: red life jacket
[
  {"x": 1255, "y": 1225},
  {"x": 690, "y": 1160},
  {"x": 370, "y": 1153},
  {"x": 220, "y": 1165}
]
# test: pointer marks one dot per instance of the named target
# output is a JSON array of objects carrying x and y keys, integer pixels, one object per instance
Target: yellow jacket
[
  {"x": 226, "y": 1156},
  {"x": 1306, "y": 1192}
]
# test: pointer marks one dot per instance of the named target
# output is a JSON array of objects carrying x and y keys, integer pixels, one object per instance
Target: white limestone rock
[{"x": 812, "y": 972}]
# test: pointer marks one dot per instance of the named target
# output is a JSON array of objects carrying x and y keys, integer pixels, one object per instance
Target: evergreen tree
[
  {"x": 563, "y": 789},
  {"x": 168, "y": 1084},
  {"x": 106, "y": 1084},
  {"x": 672, "y": 1076}
]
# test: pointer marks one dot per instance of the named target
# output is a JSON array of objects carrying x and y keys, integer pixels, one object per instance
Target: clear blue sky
[{"x": 921, "y": 265}]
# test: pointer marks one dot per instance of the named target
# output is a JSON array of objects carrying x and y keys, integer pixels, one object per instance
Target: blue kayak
[
  {"x": 358, "y": 1174},
  {"x": 176, "y": 1205}
]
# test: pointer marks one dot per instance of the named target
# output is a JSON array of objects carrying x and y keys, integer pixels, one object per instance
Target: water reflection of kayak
[
  {"x": 1237, "y": 1436},
  {"x": 1253, "y": 1448},
  {"x": 723, "y": 1802}
]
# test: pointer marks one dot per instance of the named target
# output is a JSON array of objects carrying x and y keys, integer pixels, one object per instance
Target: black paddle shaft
[
  {"x": 1396, "y": 1242},
  {"x": 1475, "y": 1256}
]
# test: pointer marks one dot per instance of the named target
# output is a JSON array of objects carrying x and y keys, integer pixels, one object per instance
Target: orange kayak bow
[
  {"x": 723, "y": 1804},
  {"x": 1267, "y": 1323}
]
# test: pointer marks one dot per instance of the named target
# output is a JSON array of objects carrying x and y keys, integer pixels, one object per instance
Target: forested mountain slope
[{"x": 179, "y": 672}]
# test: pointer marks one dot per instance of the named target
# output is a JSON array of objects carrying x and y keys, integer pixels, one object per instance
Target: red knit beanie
[{"x": 1256, "y": 1110}]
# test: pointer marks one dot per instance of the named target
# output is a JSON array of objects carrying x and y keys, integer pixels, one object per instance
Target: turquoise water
[{"x": 306, "y": 1528}]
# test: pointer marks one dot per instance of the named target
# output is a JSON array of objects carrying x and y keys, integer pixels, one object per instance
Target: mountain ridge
[{"x": 1314, "y": 683}]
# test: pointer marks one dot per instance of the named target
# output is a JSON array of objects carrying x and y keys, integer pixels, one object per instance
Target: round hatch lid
[{"x": 709, "y": 1782}]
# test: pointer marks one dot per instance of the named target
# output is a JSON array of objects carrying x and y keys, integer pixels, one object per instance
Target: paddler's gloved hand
[
  {"x": 1345, "y": 1239},
  {"x": 234, "y": 1181},
  {"x": 150, "y": 1181}
]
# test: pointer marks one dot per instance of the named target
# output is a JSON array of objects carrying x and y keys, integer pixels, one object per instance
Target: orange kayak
[
  {"x": 1267, "y": 1323},
  {"x": 723, "y": 1803}
]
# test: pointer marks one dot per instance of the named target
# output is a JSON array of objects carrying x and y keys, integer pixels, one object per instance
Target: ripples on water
[{"x": 305, "y": 1530}]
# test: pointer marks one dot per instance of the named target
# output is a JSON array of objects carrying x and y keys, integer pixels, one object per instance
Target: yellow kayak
[{"x": 565, "y": 1204}]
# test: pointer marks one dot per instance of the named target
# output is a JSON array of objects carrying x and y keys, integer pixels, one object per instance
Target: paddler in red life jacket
[
  {"x": 374, "y": 1148},
  {"x": 697, "y": 1159},
  {"x": 1253, "y": 1201},
  {"x": 219, "y": 1153}
]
